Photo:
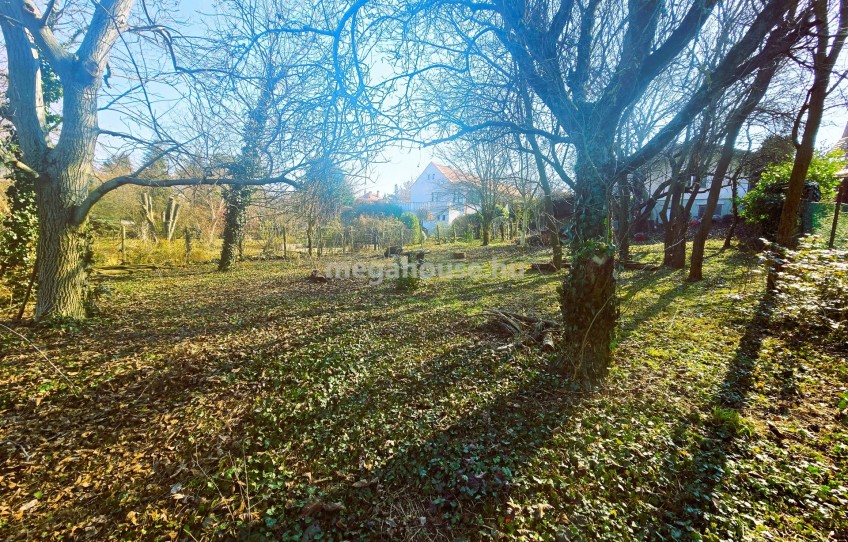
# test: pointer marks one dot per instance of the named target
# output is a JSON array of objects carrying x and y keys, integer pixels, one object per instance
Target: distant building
[
  {"x": 658, "y": 172},
  {"x": 370, "y": 197},
  {"x": 441, "y": 194}
]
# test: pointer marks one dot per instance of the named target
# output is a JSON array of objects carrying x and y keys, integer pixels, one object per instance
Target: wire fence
[{"x": 829, "y": 227}]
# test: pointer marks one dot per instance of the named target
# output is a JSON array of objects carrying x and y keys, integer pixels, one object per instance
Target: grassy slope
[{"x": 260, "y": 405}]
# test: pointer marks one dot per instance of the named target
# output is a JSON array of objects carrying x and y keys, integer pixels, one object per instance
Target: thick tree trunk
[
  {"x": 63, "y": 255},
  {"x": 587, "y": 296},
  {"x": 63, "y": 171},
  {"x": 484, "y": 231},
  {"x": 235, "y": 218}
]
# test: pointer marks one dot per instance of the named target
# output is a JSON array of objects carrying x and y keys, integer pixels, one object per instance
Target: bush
[
  {"x": 812, "y": 292},
  {"x": 467, "y": 226},
  {"x": 410, "y": 220},
  {"x": 762, "y": 205},
  {"x": 372, "y": 208}
]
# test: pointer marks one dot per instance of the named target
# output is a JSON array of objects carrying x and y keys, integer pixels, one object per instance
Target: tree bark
[
  {"x": 485, "y": 228},
  {"x": 63, "y": 252},
  {"x": 674, "y": 240},
  {"x": 734, "y": 187},
  {"x": 587, "y": 295},
  {"x": 235, "y": 217}
]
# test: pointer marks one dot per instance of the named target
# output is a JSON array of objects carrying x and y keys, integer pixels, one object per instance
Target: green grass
[{"x": 261, "y": 406}]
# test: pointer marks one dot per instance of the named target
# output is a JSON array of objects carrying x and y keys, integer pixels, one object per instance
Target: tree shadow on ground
[
  {"x": 116, "y": 442},
  {"x": 455, "y": 479},
  {"x": 703, "y": 468}
]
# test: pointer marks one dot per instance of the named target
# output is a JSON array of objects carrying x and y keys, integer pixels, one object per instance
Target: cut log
[
  {"x": 547, "y": 341},
  {"x": 458, "y": 255},
  {"x": 316, "y": 276}
]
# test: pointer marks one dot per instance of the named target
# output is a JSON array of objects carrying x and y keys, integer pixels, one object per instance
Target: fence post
[
  {"x": 841, "y": 195},
  {"x": 123, "y": 244}
]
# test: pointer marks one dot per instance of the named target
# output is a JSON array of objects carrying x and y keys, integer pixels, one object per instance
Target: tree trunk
[
  {"x": 674, "y": 240},
  {"x": 235, "y": 217},
  {"x": 63, "y": 255},
  {"x": 841, "y": 196},
  {"x": 823, "y": 64},
  {"x": 485, "y": 226},
  {"x": 624, "y": 222},
  {"x": 548, "y": 204},
  {"x": 587, "y": 296},
  {"x": 734, "y": 187}
]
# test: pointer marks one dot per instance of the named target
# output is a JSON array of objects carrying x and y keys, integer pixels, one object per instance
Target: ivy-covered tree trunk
[
  {"x": 237, "y": 197},
  {"x": 587, "y": 295},
  {"x": 235, "y": 217}
]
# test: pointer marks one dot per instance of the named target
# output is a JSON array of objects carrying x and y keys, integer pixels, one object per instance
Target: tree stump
[{"x": 458, "y": 255}]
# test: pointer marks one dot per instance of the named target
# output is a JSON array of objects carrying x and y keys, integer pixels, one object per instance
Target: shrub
[
  {"x": 812, "y": 292},
  {"x": 763, "y": 204},
  {"x": 410, "y": 220}
]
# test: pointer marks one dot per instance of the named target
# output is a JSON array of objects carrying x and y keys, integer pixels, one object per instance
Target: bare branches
[{"x": 81, "y": 211}]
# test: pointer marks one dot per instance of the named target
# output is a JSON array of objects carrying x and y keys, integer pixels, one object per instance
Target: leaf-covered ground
[{"x": 259, "y": 405}]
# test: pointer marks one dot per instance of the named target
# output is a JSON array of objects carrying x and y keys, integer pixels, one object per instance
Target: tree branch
[{"x": 82, "y": 210}]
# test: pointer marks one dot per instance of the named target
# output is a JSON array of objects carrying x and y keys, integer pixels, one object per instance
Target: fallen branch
[
  {"x": 637, "y": 266},
  {"x": 524, "y": 330}
]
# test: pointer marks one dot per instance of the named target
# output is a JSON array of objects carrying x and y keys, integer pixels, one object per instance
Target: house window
[
  {"x": 473, "y": 198},
  {"x": 458, "y": 198},
  {"x": 702, "y": 210},
  {"x": 434, "y": 196}
]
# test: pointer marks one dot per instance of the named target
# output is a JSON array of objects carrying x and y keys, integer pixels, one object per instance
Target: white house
[
  {"x": 725, "y": 199},
  {"x": 659, "y": 172},
  {"x": 444, "y": 193}
]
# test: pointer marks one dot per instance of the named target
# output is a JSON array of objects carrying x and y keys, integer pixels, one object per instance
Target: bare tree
[
  {"x": 63, "y": 165},
  {"x": 755, "y": 93},
  {"x": 830, "y": 38},
  {"x": 589, "y": 62}
]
